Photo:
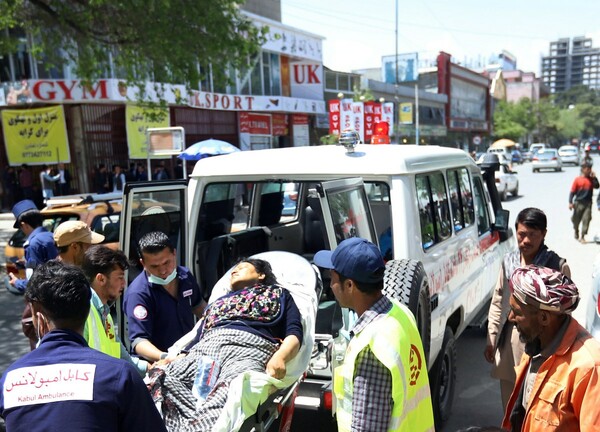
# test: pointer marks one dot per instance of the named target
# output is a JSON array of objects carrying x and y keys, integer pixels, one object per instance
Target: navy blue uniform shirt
[
  {"x": 63, "y": 385},
  {"x": 39, "y": 248},
  {"x": 154, "y": 315}
]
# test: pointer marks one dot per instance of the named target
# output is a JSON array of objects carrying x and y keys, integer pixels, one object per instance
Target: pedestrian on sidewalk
[
  {"x": 580, "y": 200},
  {"x": 504, "y": 348}
]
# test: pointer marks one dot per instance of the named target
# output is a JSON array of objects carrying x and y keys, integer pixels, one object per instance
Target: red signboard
[
  {"x": 255, "y": 124},
  {"x": 372, "y": 116},
  {"x": 334, "y": 117},
  {"x": 299, "y": 119},
  {"x": 280, "y": 124}
]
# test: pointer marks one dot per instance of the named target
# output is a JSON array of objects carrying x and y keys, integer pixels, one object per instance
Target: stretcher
[{"x": 256, "y": 401}]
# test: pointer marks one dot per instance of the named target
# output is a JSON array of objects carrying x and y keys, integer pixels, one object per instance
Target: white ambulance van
[{"x": 434, "y": 213}]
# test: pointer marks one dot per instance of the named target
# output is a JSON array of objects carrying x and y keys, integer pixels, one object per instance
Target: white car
[
  {"x": 569, "y": 155},
  {"x": 506, "y": 182},
  {"x": 546, "y": 159}
]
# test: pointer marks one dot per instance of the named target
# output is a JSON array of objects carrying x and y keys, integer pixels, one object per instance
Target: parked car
[
  {"x": 506, "y": 182},
  {"x": 536, "y": 147},
  {"x": 569, "y": 154},
  {"x": 101, "y": 212},
  {"x": 546, "y": 159},
  {"x": 516, "y": 157}
]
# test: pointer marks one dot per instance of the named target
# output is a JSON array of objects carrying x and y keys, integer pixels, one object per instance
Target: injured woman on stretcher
[{"x": 253, "y": 335}]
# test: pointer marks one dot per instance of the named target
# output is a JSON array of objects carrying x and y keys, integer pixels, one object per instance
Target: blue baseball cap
[
  {"x": 355, "y": 258},
  {"x": 20, "y": 208}
]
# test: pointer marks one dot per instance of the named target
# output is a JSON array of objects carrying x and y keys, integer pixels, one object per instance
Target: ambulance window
[
  {"x": 379, "y": 199},
  {"x": 434, "y": 212},
  {"x": 483, "y": 219},
  {"x": 441, "y": 207},
  {"x": 425, "y": 212},
  {"x": 278, "y": 203},
  {"x": 350, "y": 214},
  {"x": 461, "y": 198},
  {"x": 224, "y": 209}
]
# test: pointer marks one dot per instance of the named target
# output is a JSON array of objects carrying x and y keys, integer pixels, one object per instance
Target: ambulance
[{"x": 434, "y": 213}]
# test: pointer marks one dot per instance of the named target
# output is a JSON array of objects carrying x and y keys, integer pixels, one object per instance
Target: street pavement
[{"x": 11, "y": 306}]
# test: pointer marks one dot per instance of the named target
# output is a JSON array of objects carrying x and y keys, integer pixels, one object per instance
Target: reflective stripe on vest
[
  {"x": 97, "y": 337},
  {"x": 395, "y": 341}
]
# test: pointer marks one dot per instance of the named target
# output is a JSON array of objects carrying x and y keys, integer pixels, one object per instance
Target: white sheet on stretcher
[{"x": 250, "y": 389}]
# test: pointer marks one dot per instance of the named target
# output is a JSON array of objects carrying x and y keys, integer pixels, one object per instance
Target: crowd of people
[
  {"x": 548, "y": 365},
  {"x": 19, "y": 183}
]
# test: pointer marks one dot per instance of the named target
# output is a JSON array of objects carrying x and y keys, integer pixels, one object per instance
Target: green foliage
[
  {"x": 362, "y": 95},
  {"x": 518, "y": 120},
  {"x": 142, "y": 40},
  {"x": 577, "y": 95},
  {"x": 569, "y": 124},
  {"x": 508, "y": 121},
  {"x": 329, "y": 139}
]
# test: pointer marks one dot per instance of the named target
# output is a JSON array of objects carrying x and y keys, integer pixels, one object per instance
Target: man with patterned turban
[{"x": 558, "y": 380}]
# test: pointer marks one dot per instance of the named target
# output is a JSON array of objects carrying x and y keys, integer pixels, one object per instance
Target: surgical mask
[
  {"x": 37, "y": 329},
  {"x": 160, "y": 281}
]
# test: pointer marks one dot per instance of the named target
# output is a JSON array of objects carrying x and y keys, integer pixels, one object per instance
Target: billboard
[
  {"x": 408, "y": 68},
  {"x": 36, "y": 136}
]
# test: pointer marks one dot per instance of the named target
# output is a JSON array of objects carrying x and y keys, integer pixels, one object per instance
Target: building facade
[
  {"x": 571, "y": 62},
  {"x": 273, "y": 103},
  {"x": 518, "y": 85}
]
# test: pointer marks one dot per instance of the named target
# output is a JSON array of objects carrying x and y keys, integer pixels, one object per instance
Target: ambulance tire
[
  {"x": 442, "y": 380},
  {"x": 406, "y": 281}
]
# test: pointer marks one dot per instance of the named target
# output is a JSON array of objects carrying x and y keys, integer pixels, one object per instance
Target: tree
[
  {"x": 508, "y": 121},
  {"x": 142, "y": 40},
  {"x": 569, "y": 125}
]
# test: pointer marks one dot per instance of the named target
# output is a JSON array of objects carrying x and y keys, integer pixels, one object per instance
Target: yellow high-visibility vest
[
  {"x": 100, "y": 338},
  {"x": 394, "y": 339}
]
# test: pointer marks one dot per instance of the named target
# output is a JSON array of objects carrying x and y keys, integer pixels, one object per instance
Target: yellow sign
[
  {"x": 138, "y": 120},
  {"x": 406, "y": 113},
  {"x": 36, "y": 136}
]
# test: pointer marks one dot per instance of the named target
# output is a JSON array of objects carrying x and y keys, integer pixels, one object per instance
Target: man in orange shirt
[
  {"x": 580, "y": 200},
  {"x": 557, "y": 380}
]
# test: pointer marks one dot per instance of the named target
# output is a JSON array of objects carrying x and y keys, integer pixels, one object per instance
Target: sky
[{"x": 359, "y": 32}]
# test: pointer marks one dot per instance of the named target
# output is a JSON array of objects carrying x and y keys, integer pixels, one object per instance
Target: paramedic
[
  {"x": 63, "y": 384},
  {"x": 386, "y": 347}
]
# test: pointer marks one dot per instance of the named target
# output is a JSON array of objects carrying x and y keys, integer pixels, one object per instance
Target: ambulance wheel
[
  {"x": 443, "y": 380},
  {"x": 406, "y": 281}
]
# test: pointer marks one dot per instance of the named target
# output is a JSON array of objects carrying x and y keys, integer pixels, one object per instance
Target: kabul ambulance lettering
[{"x": 51, "y": 383}]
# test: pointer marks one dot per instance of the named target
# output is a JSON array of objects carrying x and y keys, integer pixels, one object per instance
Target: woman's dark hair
[
  {"x": 62, "y": 291},
  {"x": 532, "y": 217},
  {"x": 263, "y": 267}
]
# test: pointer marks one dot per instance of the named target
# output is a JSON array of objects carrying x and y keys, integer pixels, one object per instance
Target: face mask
[{"x": 160, "y": 281}]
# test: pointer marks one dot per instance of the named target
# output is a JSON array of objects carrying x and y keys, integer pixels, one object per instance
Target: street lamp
[
  {"x": 381, "y": 100},
  {"x": 340, "y": 95}
]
